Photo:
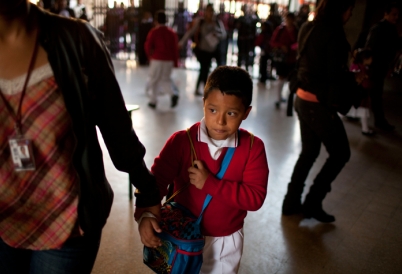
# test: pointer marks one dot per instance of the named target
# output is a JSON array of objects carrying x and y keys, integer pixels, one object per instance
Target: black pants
[
  {"x": 205, "y": 60},
  {"x": 319, "y": 125},
  {"x": 264, "y": 67},
  {"x": 246, "y": 52}
]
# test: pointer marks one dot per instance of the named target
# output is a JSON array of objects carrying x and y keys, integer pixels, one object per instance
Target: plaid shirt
[{"x": 38, "y": 209}]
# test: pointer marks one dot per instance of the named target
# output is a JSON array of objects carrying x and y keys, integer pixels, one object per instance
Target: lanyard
[{"x": 17, "y": 117}]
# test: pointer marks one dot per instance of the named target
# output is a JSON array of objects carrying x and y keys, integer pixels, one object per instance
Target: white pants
[
  {"x": 222, "y": 255},
  {"x": 159, "y": 81}
]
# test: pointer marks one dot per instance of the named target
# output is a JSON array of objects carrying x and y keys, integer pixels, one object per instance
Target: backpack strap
[
  {"x": 206, "y": 203},
  {"x": 193, "y": 157},
  {"x": 225, "y": 163}
]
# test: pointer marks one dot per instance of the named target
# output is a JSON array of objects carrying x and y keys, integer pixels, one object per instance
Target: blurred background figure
[
  {"x": 61, "y": 8},
  {"x": 384, "y": 41},
  {"x": 284, "y": 50},
  {"x": 80, "y": 10},
  {"x": 132, "y": 20},
  {"x": 228, "y": 21},
  {"x": 181, "y": 22},
  {"x": 263, "y": 42},
  {"x": 302, "y": 15},
  {"x": 161, "y": 47},
  {"x": 145, "y": 27},
  {"x": 208, "y": 31},
  {"x": 361, "y": 61},
  {"x": 114, "y": 28},
  {"x": 246, "y": 34},
  {"x": 274, "y": 17}
]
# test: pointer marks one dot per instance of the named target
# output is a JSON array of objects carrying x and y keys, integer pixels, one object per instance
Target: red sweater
[
  {"x": 162, "y": 44},
  {"x": 243, "y": 187},
  {"x": 282, "y": 36}
]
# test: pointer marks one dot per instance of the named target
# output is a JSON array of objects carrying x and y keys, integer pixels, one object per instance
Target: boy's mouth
[{"x": 219, "y": 131}]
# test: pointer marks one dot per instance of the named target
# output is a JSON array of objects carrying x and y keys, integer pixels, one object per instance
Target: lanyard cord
[{"x": 17, "y": 117}]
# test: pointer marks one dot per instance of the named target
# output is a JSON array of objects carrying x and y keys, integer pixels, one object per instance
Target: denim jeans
[
  {"x": 319, "y": 125},
  {"x": 77, "y": 255}
]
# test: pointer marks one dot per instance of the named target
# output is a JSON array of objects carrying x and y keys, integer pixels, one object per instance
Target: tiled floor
[{"x": 366, "y": 197}]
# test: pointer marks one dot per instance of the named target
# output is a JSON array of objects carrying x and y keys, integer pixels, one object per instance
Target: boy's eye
[
  {"x": 230, "y": 113},
  {"x": 212, "y": 110}
]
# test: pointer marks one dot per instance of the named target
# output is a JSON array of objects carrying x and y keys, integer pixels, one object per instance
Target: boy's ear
[{"x": 247, "y": 112}]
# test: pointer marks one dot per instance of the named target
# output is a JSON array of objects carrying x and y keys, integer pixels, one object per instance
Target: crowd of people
[{"x": 58, "y": 86}]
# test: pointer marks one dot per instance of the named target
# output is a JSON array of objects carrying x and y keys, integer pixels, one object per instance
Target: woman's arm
[{"x": 190, "y": 32}]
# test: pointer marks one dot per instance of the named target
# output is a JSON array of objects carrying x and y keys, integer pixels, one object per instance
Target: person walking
[
  {"x": 283, "y": 46},
  {"x": 246, "y": 36},
  {"x": 384, "y": 42},
  {"x": 324, "y": 76},
  {"x": 208, "y": 32},
  {"x": 57, "y": 86},
  {"x": 219, "y": 142},
  {"x": 181, "y": 22},
  {"x": 162, "y": 50}
]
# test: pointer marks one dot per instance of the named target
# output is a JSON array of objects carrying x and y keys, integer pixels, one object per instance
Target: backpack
[{"x": 182, "y": 240}]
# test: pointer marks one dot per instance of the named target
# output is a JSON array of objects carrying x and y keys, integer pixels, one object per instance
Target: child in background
[
  {"x": 362, "y": 59},
  {"x": 162, "y": 51},
  {"x": 227, "y": 99}
]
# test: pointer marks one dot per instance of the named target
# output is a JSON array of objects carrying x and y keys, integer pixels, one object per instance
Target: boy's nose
[{"x": 221, "y": 119}]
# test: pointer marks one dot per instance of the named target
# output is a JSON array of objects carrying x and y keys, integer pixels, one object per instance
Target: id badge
[{"x": 22, "y": 153}]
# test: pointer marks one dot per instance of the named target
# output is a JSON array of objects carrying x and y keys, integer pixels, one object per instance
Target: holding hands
[
  {"x": 148, "y": 225},
  {"x": 198, "y": 174}
]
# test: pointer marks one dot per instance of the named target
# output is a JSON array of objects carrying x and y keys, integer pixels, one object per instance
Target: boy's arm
[{"x": 250, "y": 193}]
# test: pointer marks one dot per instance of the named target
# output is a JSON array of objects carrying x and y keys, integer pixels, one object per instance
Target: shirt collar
[{"x": 231, "y": 141}]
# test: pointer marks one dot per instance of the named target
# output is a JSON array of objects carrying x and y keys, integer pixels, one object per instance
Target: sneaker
[
  {"x": 152, "y": 105},
  {"x": 277, "y": 104},
  {"x": 175, "y": 99}
]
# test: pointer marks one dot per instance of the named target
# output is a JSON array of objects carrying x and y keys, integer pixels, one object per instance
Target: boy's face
[{"x": 223, "y": 114}]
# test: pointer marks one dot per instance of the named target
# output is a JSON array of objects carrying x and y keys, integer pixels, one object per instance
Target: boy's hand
[
  {"x": 198, "y": 175},
  {"x": 148, "y": 226},
  {"x": 147, "y": 229}
]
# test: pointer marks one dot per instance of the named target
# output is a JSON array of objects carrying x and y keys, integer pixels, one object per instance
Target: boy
[
  {"x": 161, "y": 48},
  {"x": 227, "y": 99}
]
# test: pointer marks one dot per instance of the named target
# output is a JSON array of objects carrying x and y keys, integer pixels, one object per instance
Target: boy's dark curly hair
[{"x": 231, "y": 81}]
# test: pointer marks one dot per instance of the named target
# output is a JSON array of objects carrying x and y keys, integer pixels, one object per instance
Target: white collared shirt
[{"x": 215, "y": 146}]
